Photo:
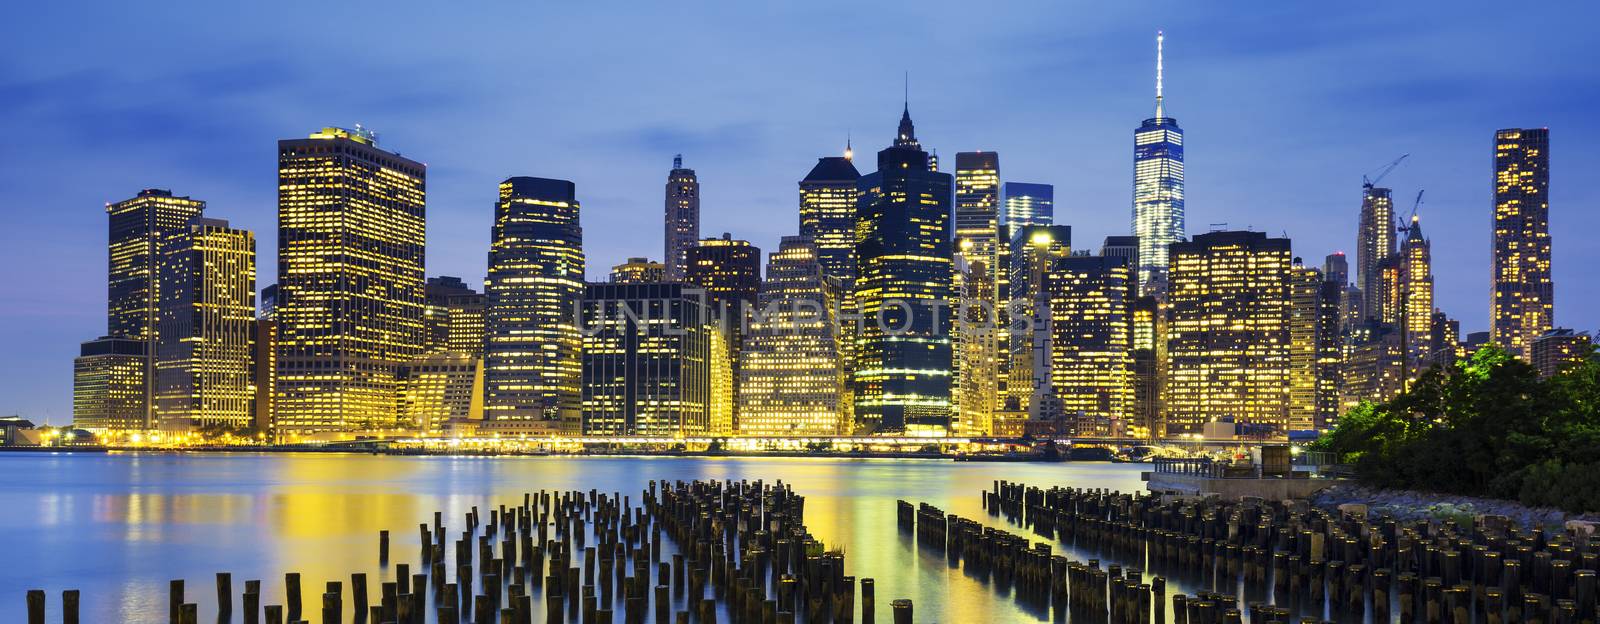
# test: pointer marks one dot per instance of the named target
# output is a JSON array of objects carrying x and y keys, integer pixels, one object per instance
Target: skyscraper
[
  {"x": 791, "y": 378},
  {"x": 1416, "y": 305},
  {"x": 1149, "y": 354},
  {"x": 828, "y": 214},
  {"x": 903, "y": 285},
  {"x": 638, "y": 271},
  {"x": 1025, "y": 204},
  {"x": 1314, "y": 348},
  {"x": 351, "y": 230},
  {"x": 977, "y": 216},
  {"x": 1034, "y": 249},
  {"x": 439, "y": 389},
  {"x": 682, "y": 216},
  {"x": 139, "y": 227},
  {"x": 536, "y": 265},
  {"x": 1091, "y": 364},
  {"x": 1559, "y": 348},
  {"x": 109, "y": 391},
  {"x": 647, "y": 360},
  {"x": 1158, "y": 218},
  {"x": 454, "y": 316},
  {"x": 730, "y": 272},
  {"x": 976, "y": 346},
  {"x": 1524, "y": 296},
  {"x": 1375, "y": 244},
  {"x": 1228, "y": 334},
  {"x": 207, "y": 315}
]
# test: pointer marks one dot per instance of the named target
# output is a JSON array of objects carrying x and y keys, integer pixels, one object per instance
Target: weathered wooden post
[
  {"x": 902, "y": 610},
  {"x": 69, "y": 606},
  {"x": 174, "y": 600},
  {"x": 35, "y": 606}
]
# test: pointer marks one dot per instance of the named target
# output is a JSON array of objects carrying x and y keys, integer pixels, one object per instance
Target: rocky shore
[{"x": 1414, "y": 505}]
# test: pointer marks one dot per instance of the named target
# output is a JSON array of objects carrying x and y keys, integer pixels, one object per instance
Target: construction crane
[
  {"x": 1404, "y": 227},
  {"x": 1368, "y": 181}
]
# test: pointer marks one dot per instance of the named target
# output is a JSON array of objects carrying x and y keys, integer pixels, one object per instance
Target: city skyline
[{"x": 751, "y": 205}]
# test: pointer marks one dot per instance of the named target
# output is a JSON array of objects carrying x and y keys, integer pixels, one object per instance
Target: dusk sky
[{"x": 1285, "y": 105}]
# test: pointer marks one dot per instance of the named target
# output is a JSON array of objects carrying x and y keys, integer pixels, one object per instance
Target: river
[{"x": 119, "y": 526}]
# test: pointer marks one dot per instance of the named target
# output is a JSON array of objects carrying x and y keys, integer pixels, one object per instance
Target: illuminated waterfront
[{"x": 120, "y": 526}]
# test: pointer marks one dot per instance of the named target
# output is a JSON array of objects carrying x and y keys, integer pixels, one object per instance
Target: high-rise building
[
  {"x": 139, "y": 228},
  {"x": 1375, "y": 245},
  {"x": 269, "y": 303},
  {"x": 1091, "y": 325},
  {"x": 1149, "y": 355},
  {"x": 536, "y": 265},
  {"x": 351, "y": 230},
  {"x": 730, "y": 271},
  {"x": 976, "y": 347},
  {"x": 647, "y": 359},
  {"x": 263, "y": 374},
  {"x": 1336, "y": 268},
  {"x": 439, "y": 389},
  {"x": 1228, "y": 331},
  {"x": 903, "y": 288},
  {"x": 207, "y": 315},
  {"x": 1558, "y": 349},
  {"x": 682, "y": 216},
  {"x": 791, "y": 377},
  {"x": 1374, "y": 369},
  {"x": 1444, "y": 341},
  {"x": 1416, "y": 305},
  {"x": 1315, "y": 348},
  {"x": 1034, "y": 249},
  {"x": 828, "y": 214},
  {"x": 1524, "y": 295},
  {"x": 109, "y": 391},
  {"x": 1025, "y": 204},
  {"x": 638, "y": 271},
  {"x": 1158, "y": 218},
  {"x": 977, "y": 215},
  {"x": 454, "y": 316}
]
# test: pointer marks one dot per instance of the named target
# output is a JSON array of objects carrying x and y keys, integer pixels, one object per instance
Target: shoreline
[{"x": 1412, "y": 505}]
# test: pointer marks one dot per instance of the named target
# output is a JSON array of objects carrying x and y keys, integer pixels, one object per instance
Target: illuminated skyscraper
[
  {"x": 536, "y": 267},
  {"x": 903, "y": 288},
  {"x": 454, "y": 315},
  {"x": 1416, "y": 304},
  {"x": 682, "y": 216},
  {"x": 1314, "y": 348},
  {"x": 1024, "y": 204},
  {"x": 977, "y": 224},
  {"x": 638, "y": 271},
  {"x": 828, "y": 214},
  {"x": 1091, "y": 323},
  {"x": 139, "y": 227},
  {"x": 351, "y": 229},
  {"x": 264, "y": 374},
  {"x": 1158, "y": 218},
  {"x": 1149, "y": 355},
  {"x": 1375, "y": 244},
  {"x": 647, "y": 360},
  {"x": 729, "y": 270},
  {"x": 976, "y": 347},
  {"x": 1444, "y": 341},
  {"x": 791, "y": 378},
  {"x": 1374, "y": 368},
  {"x": 1524, "y": 296},
  {"x": 109, "y": 390},
  {"x": 439, "y": 389},
  {"x": 1034, "y": 249},
  {"x": 207, "y": 315},
  {"x": 1228, "y": 334}
]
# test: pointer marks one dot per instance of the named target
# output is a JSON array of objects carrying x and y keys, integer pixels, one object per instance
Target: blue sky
[{"x": 1285, "y": 106}]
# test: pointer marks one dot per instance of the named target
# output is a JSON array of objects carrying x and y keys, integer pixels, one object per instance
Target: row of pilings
[
  {"x": 1301, "y": 562},
  {"x": 735, "y": 550}
]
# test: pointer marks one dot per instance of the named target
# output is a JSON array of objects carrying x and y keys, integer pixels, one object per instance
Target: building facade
[
  {"x": 203, "y": 361},
  {"x": 648, "y": 354},
  {"x": 1559, "y": 348},
  {"x": 536, "y": 269},
  {"x": 682, "y": 216},
  {"x": 454, "y": 316},
  {"x": 791, "y": 373},
  {"x": 902, "y": 377},
  {"x": 828, "y": 214},
  {"x": 1091, "y": 355},
  {"x": 1524, "y": 294},
  {"x": 109, "y": 390},
  {"x": 1025, "y": 204},
  {"x": 351, "y": 230},
  {"x": 1228, "y": 331},
  {"x": 441, "y": 389},
  {"x": 1375, "y": 245},
  {"x": 1416, "y": 303}
]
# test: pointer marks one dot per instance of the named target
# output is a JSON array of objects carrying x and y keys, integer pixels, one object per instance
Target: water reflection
[{"x": 120, "y": 526}]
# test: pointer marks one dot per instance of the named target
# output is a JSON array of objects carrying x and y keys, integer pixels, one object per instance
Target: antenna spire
[
  {"x": 1160, "y": 109},
  {"x": 907, "y": 84},
  {"x": 849, "y": 151}
]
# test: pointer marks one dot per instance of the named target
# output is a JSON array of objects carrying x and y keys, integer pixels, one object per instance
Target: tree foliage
[{"x": 1488, "y": 426}]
